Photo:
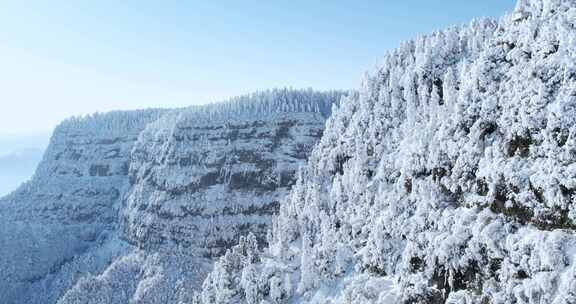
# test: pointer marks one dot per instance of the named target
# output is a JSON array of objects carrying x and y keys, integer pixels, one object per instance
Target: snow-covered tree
[{"x": 449, "y": 177}]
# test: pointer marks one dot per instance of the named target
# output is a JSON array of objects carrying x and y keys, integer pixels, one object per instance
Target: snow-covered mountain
[
  {"x": 125, "y": 206},
  {"x": 450, "y": 178},
  {"x": 200, "y": 179}
]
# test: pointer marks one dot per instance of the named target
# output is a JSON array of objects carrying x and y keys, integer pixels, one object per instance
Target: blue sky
[{"x": 63, "y": 58}]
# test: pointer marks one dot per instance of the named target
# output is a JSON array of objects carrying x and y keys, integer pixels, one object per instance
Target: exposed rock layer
[{"x": 203, "y": 186}]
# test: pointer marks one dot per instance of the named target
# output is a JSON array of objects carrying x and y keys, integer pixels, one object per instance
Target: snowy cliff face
[
  {"x": 199, "y": 179},
  {"x": 202, "y": 185},
  {"x": 449, "y": 179},
  {"x": 60, "y": 224}
]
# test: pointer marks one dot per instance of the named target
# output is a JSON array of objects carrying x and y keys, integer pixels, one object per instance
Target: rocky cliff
[
  {"x": 204, "y": 184},
  {"x": 127, "y": 205}
]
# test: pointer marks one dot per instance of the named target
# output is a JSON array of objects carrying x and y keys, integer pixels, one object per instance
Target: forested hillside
[{"x": 450, "y": 178}]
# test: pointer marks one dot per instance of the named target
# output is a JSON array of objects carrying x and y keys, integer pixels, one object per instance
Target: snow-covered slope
[
  {"x": 451, "y": 178},
  {"x": 200, "y": 179}
]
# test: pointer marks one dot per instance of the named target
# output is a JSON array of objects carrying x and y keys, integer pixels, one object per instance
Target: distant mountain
[
  {"x": 24, "y": 160},
  {"x": 12, "y": 143},
  {"x": 18, "y": 166}
]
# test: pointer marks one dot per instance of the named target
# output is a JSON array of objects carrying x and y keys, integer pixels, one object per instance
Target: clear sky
[{"x": 63, "y": 58}]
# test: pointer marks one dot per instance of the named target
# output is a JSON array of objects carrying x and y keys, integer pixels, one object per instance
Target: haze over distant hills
[
  {"x": 19, "y": 156},
  {"x": 12, "y": 142}
]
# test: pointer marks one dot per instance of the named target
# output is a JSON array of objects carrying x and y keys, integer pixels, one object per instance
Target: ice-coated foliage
[
  {"x": 450, "y": 178},
  {"x": 262, "y": 104}
]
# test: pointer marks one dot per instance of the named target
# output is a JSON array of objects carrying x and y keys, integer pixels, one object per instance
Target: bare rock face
[
  {"x": 60, "y": 225},
  {"x": 202, "y": 185}
]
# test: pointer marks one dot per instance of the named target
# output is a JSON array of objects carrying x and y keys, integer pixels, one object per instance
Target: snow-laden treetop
[
  {"x": 542, "y": 8},
  {"x": 109, "y": 123},
  {"x": 261, "y": 105}
]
